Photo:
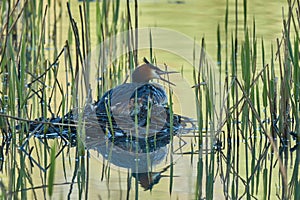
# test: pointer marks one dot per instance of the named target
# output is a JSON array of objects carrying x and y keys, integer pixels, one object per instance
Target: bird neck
[{"x": 139, "y": 78}]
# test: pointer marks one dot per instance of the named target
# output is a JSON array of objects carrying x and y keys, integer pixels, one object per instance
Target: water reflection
[
  {"x": 139, "y": 156},
  {"x": 148, "y": 179},
  {"x": 144, "y": 158}
]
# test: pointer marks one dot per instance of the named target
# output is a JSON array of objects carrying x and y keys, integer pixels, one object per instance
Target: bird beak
[
  {"x": 161, "y": 72},
  {"x": 199, "y": 84}
]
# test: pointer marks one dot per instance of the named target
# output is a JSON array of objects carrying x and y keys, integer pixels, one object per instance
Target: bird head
[{"x": 146, "y": 72}]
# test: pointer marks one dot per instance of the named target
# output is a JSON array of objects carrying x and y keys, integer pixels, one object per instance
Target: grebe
[{"x": 126, "y": 109}]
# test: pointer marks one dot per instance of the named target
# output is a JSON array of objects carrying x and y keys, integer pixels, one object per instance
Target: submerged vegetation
[{"x": 247, "y": 104}]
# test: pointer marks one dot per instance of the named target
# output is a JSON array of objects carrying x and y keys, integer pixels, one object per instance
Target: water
[{"x": 188, "y": 20}]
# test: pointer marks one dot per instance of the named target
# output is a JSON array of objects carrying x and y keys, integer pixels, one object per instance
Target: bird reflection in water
[{"x": 148, "y": 179}]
